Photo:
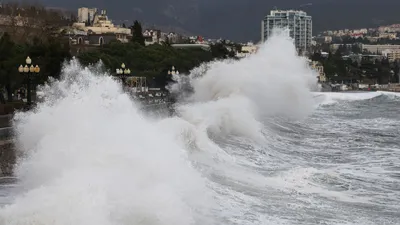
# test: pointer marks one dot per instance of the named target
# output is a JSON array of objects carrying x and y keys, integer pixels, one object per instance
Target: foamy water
[{"x": 251, "y": 145}]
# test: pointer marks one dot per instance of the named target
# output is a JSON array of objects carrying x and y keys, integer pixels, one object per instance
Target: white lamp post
[
  {"x": 123, "y": 72},
  {"x": 29, "y": 70}
]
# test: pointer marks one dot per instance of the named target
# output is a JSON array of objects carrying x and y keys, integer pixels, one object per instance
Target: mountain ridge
[{"x": 238, "y": 20}]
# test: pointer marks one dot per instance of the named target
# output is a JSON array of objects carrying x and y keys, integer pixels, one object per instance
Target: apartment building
[
  {"x": 298, "y": 22},
  {"x": 86, "y": 15},
  {"x": 392, "y": 55},
  {"x": 319, "y": 68},
  {"x": 379, "y": 49}
]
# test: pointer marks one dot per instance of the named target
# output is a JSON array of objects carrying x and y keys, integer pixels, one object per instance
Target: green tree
[
  {"x": 48, "y": 54},
  {"x": 7, "y": 66},
  {"x": 384, "y": 75},
  {"x": 220, "y": 51},
  {"x": 355, "y": 48},
  {"x": 329, "y": 68},
  {"x": 166, "y": 42},
  {"x": 316, "y": 56},
  {"x": 151, "y": 61},
  {"x": 56, "y": 52},
  {"x": 396, "y": 70},
  {"x": 137, "y": 33}
]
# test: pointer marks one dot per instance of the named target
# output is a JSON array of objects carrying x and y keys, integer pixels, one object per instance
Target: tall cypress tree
[
  {"x": 396, "y": 71},
  {"x": 137, "y": 33},
  {"x": 7, "y": 65}
]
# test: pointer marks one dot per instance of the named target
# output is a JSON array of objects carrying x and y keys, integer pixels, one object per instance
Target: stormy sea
[{"x": 252, "y": 142}]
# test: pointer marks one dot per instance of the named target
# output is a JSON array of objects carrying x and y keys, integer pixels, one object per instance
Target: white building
[
  {"x": 152, "y": 36},
  {"x": 247, "y": 50},
  {"x": 86, "y": 15},
  {"x": 380, "y": 48},
  {"x": 298, "y": 22},
  {"x": 101, "y": 25},
  {"x": 392, "y": 55},
  {"x": 319, "y": 68}
]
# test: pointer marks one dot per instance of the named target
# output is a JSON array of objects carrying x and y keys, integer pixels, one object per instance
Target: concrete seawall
[{"x": 7, "y": 157}]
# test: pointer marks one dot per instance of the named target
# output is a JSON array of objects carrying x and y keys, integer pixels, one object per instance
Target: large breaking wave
[{"x": 89, "y": 156}]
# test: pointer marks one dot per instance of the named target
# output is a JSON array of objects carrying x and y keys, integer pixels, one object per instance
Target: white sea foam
[
  {"x": 90, "y": 156},
  {"x": 328, "y": 98},
  {"x": 233, "y": 96}
]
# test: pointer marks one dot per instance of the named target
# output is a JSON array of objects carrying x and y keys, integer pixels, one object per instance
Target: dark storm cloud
[{"x": 238, "y": 19}]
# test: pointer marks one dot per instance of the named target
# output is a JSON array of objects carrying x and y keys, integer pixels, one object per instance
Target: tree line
[
  {"x": 364, "y": 40},
  {"x": 153, "y": 61},
  {"x": 48, "y": 47},
  {"x": 25, "y": 22},
  {"x": 338, "y": 67},
  {"x": 32, "y": 31},
  {"x": 49, "y": 55}
]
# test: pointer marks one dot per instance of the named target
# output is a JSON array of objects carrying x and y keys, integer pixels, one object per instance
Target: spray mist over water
[
  {"x": 91, "y": 157},
  {"x": 233, "y": 96}
]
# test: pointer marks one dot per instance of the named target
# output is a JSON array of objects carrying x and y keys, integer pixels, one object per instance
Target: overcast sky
[{"x": 240, "y": 19}]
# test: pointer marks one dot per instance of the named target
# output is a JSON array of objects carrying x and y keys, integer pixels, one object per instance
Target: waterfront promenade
[
  {"x": 328, "y": 87},
  {"x": 389, "y": 87}
]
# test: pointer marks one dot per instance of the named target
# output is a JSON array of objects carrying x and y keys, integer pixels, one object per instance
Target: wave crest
[
  {"x": 90, "y": 157},
  {"x": 89, "y": 151}
]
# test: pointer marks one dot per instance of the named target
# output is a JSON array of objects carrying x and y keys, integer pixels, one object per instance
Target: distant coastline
[{"x": 329, "y": 87}]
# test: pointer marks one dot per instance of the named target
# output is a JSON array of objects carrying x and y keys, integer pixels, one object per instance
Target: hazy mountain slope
[{"x": 238, "y": 19}]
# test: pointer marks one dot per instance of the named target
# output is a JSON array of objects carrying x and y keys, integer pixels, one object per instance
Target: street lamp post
[
  {"x": 173, "y": 71},
  {"x": 29, "y": 70},
  {"x": 122, "y": 73}
]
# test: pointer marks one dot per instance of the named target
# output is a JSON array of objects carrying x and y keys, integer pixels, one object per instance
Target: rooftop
[{"x": 288, "y": 12}]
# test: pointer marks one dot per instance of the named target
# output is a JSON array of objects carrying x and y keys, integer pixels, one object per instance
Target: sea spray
[
  {"x": 232, "y": 99},
  {"x": 91, "y": 158},
  {"x": 233, "y": 96}
]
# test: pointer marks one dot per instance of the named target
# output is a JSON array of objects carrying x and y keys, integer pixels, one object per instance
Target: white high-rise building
[
  {"x": 298, "y": 22},
  {"x": 86, "y": 15}
]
